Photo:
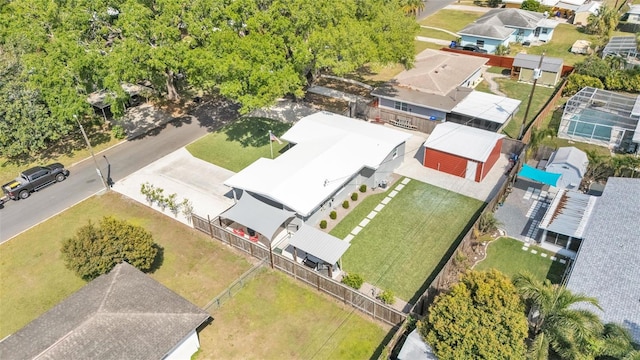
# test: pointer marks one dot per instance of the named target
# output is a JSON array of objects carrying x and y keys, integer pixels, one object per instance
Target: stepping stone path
[
  {"x": 525, "y": 247},
  {"x": 376, "y": 210}
]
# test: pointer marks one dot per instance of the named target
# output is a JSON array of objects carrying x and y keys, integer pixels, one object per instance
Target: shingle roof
[
  {"x": 491, "y": 31},
  {"x": 517, "y": 18},
  {"x": 436, "y": 80},
  {"x": 608, "y": 263},
  {"x": 529, "y": 61},
  {"x": 124, "y": 314}
]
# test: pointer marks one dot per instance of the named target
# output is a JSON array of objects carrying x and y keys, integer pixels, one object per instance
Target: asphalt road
[
  {"x": 433, "y": 6},
  {"x": 126, "y": 158}
]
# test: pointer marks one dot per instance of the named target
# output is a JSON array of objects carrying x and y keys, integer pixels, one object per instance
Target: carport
[
  {"x": 256, "y": 216},
  {"x": 320, "y": 245}
]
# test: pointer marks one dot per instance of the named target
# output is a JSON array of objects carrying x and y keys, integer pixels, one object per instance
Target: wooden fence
[
  {"x": 549, "y": 107},
  {"x": 448, "y": 275},
  {"x": 366, "y": 304}
]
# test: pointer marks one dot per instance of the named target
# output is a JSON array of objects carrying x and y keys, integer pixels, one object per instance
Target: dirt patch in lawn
[
  {"x": 326, "y": 103},
  {"x": 343, "y": 86}
]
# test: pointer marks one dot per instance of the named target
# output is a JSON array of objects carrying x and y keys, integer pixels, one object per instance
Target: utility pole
[
  {"x": 86, "y": 139},
  {"x": 537, "y": 73}
]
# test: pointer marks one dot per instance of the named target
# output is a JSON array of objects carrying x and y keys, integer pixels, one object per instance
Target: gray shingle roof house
[
  {"x": 608, "y": 262},
  {"x": 440, "y": 82},
  {"x": 124, "y": 314},
  {"x": 504, "y": 26}
]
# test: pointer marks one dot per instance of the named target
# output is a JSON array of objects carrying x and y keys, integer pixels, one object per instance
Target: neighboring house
[
  {"x": 566, "y": 9},
  {"x": 524, "y": 66},
  {"x": 439, "y": 88},
  {"x": 602, "y": 117},
  {"x": 462, "y": 150},
  {"x": 633, "y": 14},
  {"x": 332, "y": 155},
  {"x": 517, "y": 4},
  {"x": 608, "y": 261},
  {"x": 124, "y": 314},
  {"x": 571, "y": 163},
  {"x": 582, "y": 13},
  {"x": 565, "y": 220},
  {"x": 505, "y": 26},
  {"x": 415, "y": 348}
]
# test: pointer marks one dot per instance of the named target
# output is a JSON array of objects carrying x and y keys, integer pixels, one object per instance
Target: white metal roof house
[
  {"x": 505, "y": 26},
  {"x": 462, "y": 150},
  {"x": 524, "y": 65},
  {"x": 440, "y": 88},
  {"x": 332, "y": 156},
  {"x": 608, "y": 261},
  {"x": 124, "y": 314},
  {"x": 602, "y": 117},
  {"x": 565, "y": 221},
  {"x": 571, "y": 163}
]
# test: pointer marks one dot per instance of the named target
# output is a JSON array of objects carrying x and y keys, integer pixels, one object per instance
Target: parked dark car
[
  {"x": 474, "y": 48},
  {"x": 34, "y": 179}
]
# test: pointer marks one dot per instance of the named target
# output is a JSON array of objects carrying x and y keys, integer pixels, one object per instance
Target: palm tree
[
  {"x": 555, "y": 324},
  {"x": 412, "y": 7},
  {"x": 616, "y": 342}
]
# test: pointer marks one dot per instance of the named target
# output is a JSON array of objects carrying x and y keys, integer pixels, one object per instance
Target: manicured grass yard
[
  {"x": 237, "y": 145},
  {"x": 507, "y": 256},
  {"x": 452, "y": 20},
  {"x": 34, "y": 279},
  {"x": 273, "y": 317},
  {"x": 436, "y": 34},
  {"x": 403, "y": 245},
  {"x": 521, "y": 91}
]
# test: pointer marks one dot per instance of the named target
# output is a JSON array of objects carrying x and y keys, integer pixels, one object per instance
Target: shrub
[
  {"x": 323, "y": 224},
  {"x": 345, "y": 204},
  {"x": 333, "y": 214},
  {"x": 187, "y": 209},
  {"x": 363, "y": 188},
  {"x": 354, "y": 196},
  {"x": 96, "y": 249},
  {"x": 118, "y": 132},
  {"x": 387, "y": 297},
  {"x": 353, "y": 280}
]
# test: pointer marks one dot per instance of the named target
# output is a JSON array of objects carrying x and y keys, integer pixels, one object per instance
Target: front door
[
  {"x": 472, "y": 166},
  {"x": 536, "y": 32}
]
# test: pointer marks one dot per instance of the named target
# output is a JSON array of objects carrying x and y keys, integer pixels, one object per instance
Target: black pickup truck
[{"x": 32, "y": 180}]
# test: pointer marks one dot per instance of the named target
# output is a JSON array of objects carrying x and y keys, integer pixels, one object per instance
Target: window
[
  {"x": 395, "y": 153},
  {"x": 545, "y": 30},
  {"x": 400, "y": 106},
  {"x": 480, "y": 43}
]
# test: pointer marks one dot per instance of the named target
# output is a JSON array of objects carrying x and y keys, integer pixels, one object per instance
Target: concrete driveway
[
  {"x": 188, "y": 177},
  {"x": 412, "y": 167}
]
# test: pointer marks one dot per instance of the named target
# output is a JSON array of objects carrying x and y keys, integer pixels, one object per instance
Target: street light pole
[{"x": 86, "y": 139}]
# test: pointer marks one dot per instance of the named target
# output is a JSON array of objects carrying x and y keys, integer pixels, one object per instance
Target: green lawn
[
  {"x": 521, "y": 91},
  {"x": 273, "y": 317},
  {"x": 237, "y": 145},
  {"x": 34, "y": 279},
  {"x": 507, "y": 256},
  {"x": 404, "y": 244},
  {"x": 452, "y": 20},
  {"x": 436, "y": 34},
  {"x": 564, "y": 36}
]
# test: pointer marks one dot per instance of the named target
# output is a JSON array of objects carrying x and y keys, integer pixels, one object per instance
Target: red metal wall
[
  {"x": 455, "y": 165},
  {"x": 445, "y": 162},
  {"x": 483, "y": 169}
]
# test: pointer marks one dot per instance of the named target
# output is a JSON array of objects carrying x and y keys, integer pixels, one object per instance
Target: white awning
[
  {"x": 321, "y": 245},
  {"x": 257, "y": 215},
  {"x": 487, "y": 106}
]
